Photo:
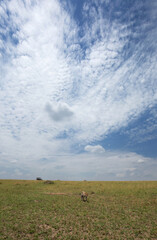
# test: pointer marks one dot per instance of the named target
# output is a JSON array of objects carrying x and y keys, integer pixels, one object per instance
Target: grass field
[{"x": 115, "y": 210}]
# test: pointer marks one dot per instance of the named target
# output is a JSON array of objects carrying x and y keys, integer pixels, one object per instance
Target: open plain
[{"x": 54, "y": 210}]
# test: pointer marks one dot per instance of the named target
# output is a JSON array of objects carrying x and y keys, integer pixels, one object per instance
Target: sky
[{"x": 78, "y": 89}]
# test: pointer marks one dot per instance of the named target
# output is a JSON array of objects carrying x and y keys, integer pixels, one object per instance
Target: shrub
[{"x": 38, "y": 178}]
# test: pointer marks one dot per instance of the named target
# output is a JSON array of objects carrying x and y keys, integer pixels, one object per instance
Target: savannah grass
[{"x": 115, "y": 210}]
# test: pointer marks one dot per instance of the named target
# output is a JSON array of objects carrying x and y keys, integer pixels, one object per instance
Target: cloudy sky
[{"x": 78, "y": 89}]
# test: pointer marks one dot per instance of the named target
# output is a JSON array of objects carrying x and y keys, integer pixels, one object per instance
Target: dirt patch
[
  {"x": 49, "y": 182},
  {"x": 66, "y": 194},
  {"x": 46, "y": 226}
]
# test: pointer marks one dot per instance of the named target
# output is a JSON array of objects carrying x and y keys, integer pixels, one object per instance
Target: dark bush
[{"x": 38, "y": 178}]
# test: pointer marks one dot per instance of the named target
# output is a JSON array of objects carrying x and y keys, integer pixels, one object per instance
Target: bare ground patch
[{"x": 66, "y": 194}]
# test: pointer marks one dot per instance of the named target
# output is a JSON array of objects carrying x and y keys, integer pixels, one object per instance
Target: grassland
[{"x": 115, "y": 210}]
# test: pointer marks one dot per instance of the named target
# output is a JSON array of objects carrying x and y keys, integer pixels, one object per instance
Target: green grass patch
[{"x": 115, "y": 210}]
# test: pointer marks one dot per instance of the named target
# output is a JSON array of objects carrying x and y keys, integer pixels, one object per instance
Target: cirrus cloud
[{"x": 95, "y": 74}]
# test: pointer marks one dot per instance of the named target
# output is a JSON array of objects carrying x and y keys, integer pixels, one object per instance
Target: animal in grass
[{"x": 84, "y": 196}]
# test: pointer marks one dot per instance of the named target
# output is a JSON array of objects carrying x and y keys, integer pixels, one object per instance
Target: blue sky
[{"x": 78, "y": 89}]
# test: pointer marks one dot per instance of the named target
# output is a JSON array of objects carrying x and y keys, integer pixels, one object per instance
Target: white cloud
[
  {"x": 120, "y": 175},
  {"x": 13, "y": 161},
  {"x": 94, "y": 149},
  {"x": 89, "y": 166},
  {"x": 140, "y": 161}
]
